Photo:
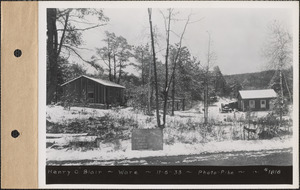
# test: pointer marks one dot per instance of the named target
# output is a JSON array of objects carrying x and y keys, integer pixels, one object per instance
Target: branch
[
  {"x": 80, "y": 48},
  {"x": 175, "y": 33},
  {"x": 84, "y": 48},
  {"x": 74, "y": 50},
  {"x": 82, "y": 29},
  {"x": 191, "y": 22},
  {"x": 167, "y": 51},
  {"x": 81, "y": 22},
  {"x": 65, "y": 52},
  {"x": 160, "y": 50},
  {"x": 179, "y": 49},
  {"x": 89, "y": 62},
  {"x": 102, "y": 58},
  {"x": 63, "y": 34},
  {"x": 62, "y": 13}
]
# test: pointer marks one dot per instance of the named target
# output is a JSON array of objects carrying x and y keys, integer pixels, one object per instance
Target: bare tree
[
  {"x": 177, "y": 56},
  {"x": 211, "y": 57},
  {"x": 106, "y": 54},
  {"x": 168, "y": 82},
  {"x": 166, "y": 87},
  {"x": 115, "y": 56},
  {"x": 123, "y": 54},
  {"x": 140, "y": 54},
  {"x": 154, "y": 65},
  {"x": 278, "y": 51}
]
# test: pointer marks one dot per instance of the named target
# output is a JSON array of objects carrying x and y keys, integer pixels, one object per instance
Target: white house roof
[
  {"x": 252, "y": 94},
  {"x": 100, "y": 81}
]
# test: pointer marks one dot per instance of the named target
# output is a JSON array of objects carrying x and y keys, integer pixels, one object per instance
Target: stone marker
[{"x": 147, "y": 139}]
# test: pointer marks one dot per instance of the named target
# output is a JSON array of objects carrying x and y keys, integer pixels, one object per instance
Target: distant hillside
[{"x": 249, "y": 81}]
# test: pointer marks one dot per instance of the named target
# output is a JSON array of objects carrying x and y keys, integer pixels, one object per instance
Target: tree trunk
[
  {"x": 109, "y": 67},
  {"x": 166, "y": 89},
  {"x": 63, "y": 34},
  {"x": 206, "y": 101},
  {"x": 120, "y": 72},
  {"x": 155, "y": 73},
  {"x": 206, "y": 83},
  {"x": 109, "y": 61},
  {"x": 53, "y": 51},
  {"x": 52, "y": 44},
  {"x": 281, "y": 99},
  {"x": 173, "y": 95},
  {"x": 175, "y": 61},
  {"x": 115, "y": 68},
  {"x": 288, "y": 89},
  {"x": 143, "y": 78},
  {"x": 149, "y": 89}
]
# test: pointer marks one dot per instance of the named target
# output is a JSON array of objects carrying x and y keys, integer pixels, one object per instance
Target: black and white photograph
[{"x": 170, "y": 86}]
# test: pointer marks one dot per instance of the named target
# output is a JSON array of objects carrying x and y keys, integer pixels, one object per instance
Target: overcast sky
[{"x": 237, "y": 35}]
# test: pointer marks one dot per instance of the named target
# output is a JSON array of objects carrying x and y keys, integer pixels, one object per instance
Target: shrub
[
  {"x": 277, "y": 105},
  {"x": 117, "y": 144},
  {"x": 270, "y": 126},
  {"x": 139, "y": 99},
  {"x": 269, "y": 120},
  {"x": 170, "y": 140},
  {"x": 236, "y": 135},
  {"x": 53, "y": 127},
  {"x": 82, "y": 145},
  {"x": 106, "y": 127}
]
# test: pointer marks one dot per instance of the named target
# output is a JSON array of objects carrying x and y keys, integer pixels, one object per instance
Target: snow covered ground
[
  {"x": 58, "y": 114},
  {"x": 108, "y": 152},
  {"x": 178, "y": 139}
]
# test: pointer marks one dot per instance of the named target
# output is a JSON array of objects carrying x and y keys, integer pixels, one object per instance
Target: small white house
[{"x": 255, "y": 100}]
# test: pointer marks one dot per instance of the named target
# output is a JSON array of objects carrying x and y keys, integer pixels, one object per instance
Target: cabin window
[
  {"x": 263, "y": 103},
  {"x": 252, "y": 103}
]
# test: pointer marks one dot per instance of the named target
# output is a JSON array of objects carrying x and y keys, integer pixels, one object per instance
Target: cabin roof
[
  {"x": 100, "y": 81},
  {"x": 253, "y": 94}
]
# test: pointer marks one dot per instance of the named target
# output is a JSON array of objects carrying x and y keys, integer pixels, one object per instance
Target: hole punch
[
  {"x": 17, "y": 53},
  {"x": 15, "y": 133}
]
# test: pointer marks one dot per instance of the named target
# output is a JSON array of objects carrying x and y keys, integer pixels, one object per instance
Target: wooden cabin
[
  {"x": 255, "y": 100},
  {"x": 84, "y": 89}
]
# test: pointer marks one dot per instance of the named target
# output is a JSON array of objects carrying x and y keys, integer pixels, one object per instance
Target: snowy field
[{"x": 184, "y": 134}]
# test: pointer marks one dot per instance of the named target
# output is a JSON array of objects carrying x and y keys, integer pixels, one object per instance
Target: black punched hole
[
  {"x": 18, "y": 53},
  {"x": 15, "y": 133}
]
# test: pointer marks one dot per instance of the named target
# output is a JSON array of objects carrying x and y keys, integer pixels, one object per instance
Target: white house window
[
  {"x": 252, "y": 103},
  {"x": 263, "y": 103}
]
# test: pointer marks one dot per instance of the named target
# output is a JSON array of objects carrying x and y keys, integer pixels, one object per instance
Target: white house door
[
  {"x": 252, "y": 103},
  {"x": 242, "y": 105}
]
